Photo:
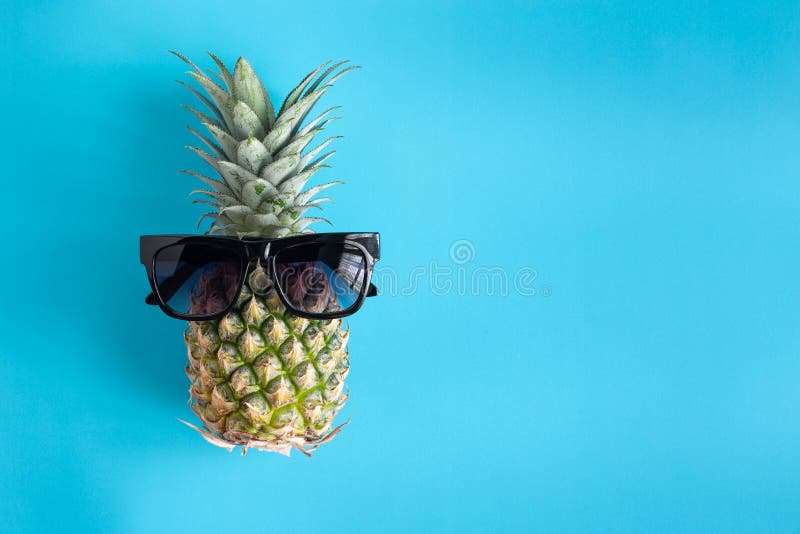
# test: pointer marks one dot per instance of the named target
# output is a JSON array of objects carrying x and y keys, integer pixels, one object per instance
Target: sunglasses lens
[
  {"x": 321, "y": 278},
  {"x": 197, "y": 279}
]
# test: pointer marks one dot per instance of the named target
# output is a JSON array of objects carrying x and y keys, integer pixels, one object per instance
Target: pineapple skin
[{"x": 263, "y": 378}]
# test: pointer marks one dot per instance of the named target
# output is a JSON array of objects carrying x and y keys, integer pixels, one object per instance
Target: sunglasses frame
[{"x": 252, "y": 250}]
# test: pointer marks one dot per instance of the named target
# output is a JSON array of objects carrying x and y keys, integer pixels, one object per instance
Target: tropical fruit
[{"x": 261, "y": 377}]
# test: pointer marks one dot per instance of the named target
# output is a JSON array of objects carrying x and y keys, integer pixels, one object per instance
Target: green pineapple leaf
[
  {"x": 294, "y": 95},
  {"x": 296, "y": 145},
  {"x": 247, "y": 87},
  {"x": 226, "y": 141},
  {"x": 253, "y": 154},
  {"x": 309, "y": 193},
  {"x": 279, "y": 169},
  {"x": 263, "y": 220},
  {"x": 202, "y": 116},
  {"x": 236, "y": 214},
  {"x": 245, "y": 122},
  {"x": 235, "y": 176},
  {"x": 254, "y": 192},
  {"x": 292, "y": 213},
  {"x": 294, "y": 184},
  {"x": 320, "y": 160},
  {"x": 207, "y": 202},
  {"x": 277, "y": 138},
  {"x": 223, "y": 101},
  {"x": 297, "y": 113},
  {"x": 224, "y": 73},
  {"x": 302, "y": 223},
  {"x": 208, "y": 158},
  {"x": 324, "y": 75},
  {"x": 316, "y": 150},
  {"x": 206, "y": 102},
  {"x": 264, "y": 161},
  {"x": 221, "y": 198},
  {"x": 313, "y": 122},
  {"x": 216, "y": 149},
  {"x": 185, "y": 60},
  {"x": 204, "y": 216},
  {"x": 216, "y": 184}
]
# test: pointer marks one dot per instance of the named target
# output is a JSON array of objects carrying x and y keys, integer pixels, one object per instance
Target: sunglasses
[{"x": 316, "y": 276}]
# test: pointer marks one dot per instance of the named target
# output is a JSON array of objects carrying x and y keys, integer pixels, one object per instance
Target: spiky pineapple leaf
[
  {"x": 210, "y": 215},
  {"x": 246, "y": 123},
  {"x": 292, "y": 213},
  {"x": 221, "y": 198},
  {"x": 235, "y": 176},
  {"x": 294, "y": 184},
  {"x": 317, "y": 201},
  {"x": 255, "y": 191},
  {"x": 262, "y": 220},
  {"x": 279, "y": 169},
  {"x": 202, "y": 116},
  {"x": 206, "y": 102},
  {"x": 278, "y": 231},
  {"x": 309, "y": 157},
  {"x": 222, "y": 226},
  {"x": 277, "y": 137},
  {"x": 208, "y": 158},
  {"x": 319, "y": 161},
  {"x": 341, "y": 73},
  {"x": 216, "y": 184},
  {"x": 224, "y": 73},
  {"x": 295, "y": 93},
  {"x": 320, "y": 147},
  {"x": 313, "y": 122},
  {"x": 262, "y": 193},
  {"x": 296, "y": 145},
  {"x": 219, "y": 96},
  {"x": 236, "y": 214},
  {"x": 322, "y": 89},
  {"x": 253, "y": 154},
  {"x": 216, "y": 149},
  {"x": 324, "y": 75},
  {"x": 300, "y": 224},
  {"x": 226, "y": 141},
  {"x": 309, "y": 193},
  {"x": 297, "y": 113},
  {"x": 247, "y": 87},
  {"x": 185, "y": 60},
  {"x": 207, "y": 202},
  {"x": 217, "y": 77}
]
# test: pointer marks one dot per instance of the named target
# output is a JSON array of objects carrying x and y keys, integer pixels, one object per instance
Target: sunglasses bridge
[{"x": 258, "y": 254}]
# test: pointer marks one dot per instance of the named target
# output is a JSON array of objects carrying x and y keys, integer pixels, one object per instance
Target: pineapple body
[{"x": 263, "y": 378}]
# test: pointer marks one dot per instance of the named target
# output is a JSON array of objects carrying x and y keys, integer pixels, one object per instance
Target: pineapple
[{"x": 261, "y": 377}]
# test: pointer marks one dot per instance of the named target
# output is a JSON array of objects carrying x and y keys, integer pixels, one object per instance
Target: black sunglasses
[{"x": 317, "y": 276}]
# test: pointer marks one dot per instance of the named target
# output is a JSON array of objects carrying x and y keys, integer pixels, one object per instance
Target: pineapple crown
[{"x": 260, "y": 156}]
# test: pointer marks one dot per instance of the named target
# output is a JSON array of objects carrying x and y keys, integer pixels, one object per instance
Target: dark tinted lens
[
  {"x": 321, "y": 278},
  {"x": 197, "y": 279}
]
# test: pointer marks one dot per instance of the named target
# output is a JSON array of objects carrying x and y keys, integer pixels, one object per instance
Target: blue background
[{"x": 643, "y": 159}]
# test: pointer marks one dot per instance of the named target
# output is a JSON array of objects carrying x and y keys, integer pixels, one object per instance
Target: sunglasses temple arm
[
  {"x": 372, "y": 291},
  {"x": 171, "y": 285}
]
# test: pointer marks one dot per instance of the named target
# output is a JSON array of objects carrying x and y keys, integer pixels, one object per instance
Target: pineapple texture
[{"x": 265, "y": 379}]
